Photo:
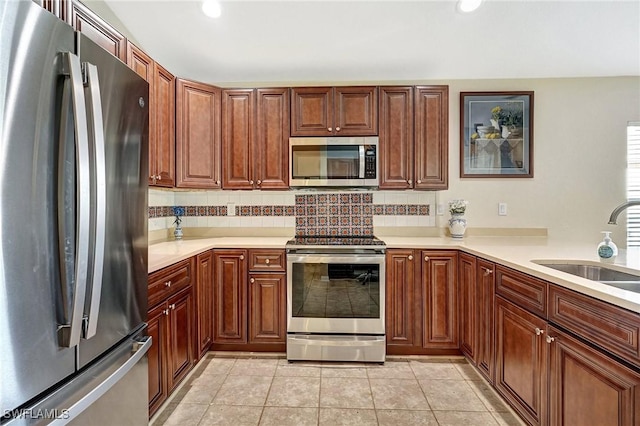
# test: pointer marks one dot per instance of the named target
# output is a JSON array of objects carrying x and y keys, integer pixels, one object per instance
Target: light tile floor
[{"x": 270, "y": 391}]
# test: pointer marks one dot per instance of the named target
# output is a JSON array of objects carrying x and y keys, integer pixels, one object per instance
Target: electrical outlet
[
  {"x": 439, "y": 209},
  {"x": 231, "y": 209},
  {"x": 502, "y": 209}
]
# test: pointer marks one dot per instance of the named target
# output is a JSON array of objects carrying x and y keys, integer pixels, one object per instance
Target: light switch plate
[
  {"x": 502, "y": 209},
  {"x": 439, "y": 209},
  {"x": 231, "y": 209}
]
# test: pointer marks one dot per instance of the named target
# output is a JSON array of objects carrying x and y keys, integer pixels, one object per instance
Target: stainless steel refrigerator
[{"x": 73, "y": 233}]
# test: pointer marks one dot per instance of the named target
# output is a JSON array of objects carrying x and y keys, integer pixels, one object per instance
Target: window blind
[{"x": 633, "y": 183}]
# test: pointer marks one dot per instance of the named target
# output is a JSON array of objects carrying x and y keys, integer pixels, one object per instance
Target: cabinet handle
[
  {"x": 539, "y": 332},
  {"x": 410, "y": 257},
  {"x": 267, "y": 261},
  {"x": 330, "y": 129},
  {"x": 426, "y": 258},
  {"x": 487, "y": 271},
  {"x": 409, "y": 181},
  {"x": 166, "y": 312},
  {"x": 167, "y": 284},
  {"x": 242, "y": 257},
  {"x": 252, "y": 280},
  {"x": 172, "y": 306},
  {"x": 259, "y": 182},
  {"x": 338, "y": 129},
  {"x": 550, "y": 339}
]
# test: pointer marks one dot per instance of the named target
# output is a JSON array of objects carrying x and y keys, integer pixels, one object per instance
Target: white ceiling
[{"x": 301, "y": 41}]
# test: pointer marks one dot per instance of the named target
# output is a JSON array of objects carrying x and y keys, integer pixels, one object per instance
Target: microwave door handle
[
  {"x": 99, "y": 188},
  {"x": 73, "y": 206},
  {"x": 361, "y": 149}
]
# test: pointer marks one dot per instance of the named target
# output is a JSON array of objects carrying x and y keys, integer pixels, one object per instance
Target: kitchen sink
[{"x": 593, "y": 271}]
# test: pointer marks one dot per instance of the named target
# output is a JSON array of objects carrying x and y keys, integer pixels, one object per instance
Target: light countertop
[{"x": 513, "y": 252}]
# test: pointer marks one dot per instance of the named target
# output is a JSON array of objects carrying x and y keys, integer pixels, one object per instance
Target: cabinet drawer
[
  {"x": 522, "y": 289},
  {"x": 169, "y": 280},
  {"x": 267, "y": 260},
  {"x": 612, "y": 328}
]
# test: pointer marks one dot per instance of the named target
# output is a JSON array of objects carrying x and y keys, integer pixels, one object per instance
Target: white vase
[{"x": 457, "y": 225}]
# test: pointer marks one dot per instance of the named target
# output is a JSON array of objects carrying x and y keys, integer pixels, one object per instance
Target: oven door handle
[{"x": 331, "y": 258}]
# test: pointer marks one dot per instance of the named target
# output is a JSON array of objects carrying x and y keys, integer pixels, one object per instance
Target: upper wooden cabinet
[
  {"x": 431, "y": 137},
  {"x": 396, "y": 137},
  {"x": 414, "y": 137},
  {"x": 255, "y": 136},
  {"x": 60, "y": 8},
  {"x": 339, "y": 111},
  {"x": 197, "y": 135},
  {"x": 103, "y": 34},
  {"x": 162, "y": 146}
]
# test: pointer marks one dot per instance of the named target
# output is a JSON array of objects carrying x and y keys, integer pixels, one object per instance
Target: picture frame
[{"x": 496, "y": 134}]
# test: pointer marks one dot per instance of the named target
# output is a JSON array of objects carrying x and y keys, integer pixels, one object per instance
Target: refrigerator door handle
[
  {"x": 73, "y": 240},
  {"x": 99, "y": 203}
]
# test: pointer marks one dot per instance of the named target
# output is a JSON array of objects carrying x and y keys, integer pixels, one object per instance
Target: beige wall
[{"x": 579, "y": 158}]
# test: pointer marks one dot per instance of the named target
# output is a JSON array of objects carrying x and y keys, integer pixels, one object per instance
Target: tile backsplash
[{"x": 311, "y": 213}]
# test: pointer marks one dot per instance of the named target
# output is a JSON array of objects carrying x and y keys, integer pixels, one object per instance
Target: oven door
[{"x": 335, "y": 294}]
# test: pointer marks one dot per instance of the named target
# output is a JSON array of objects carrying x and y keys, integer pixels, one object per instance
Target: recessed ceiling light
[
  {"x": 468, "y": 5},
  {"x": 212, "y": 8}
]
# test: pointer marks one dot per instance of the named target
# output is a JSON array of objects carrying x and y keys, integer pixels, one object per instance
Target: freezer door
[
  {"x": 116, "y": 304},
  {"x": 31, "y": 301}
]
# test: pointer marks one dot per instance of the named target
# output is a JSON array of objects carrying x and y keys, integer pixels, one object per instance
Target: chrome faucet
[{"x": 614, "y": 214}]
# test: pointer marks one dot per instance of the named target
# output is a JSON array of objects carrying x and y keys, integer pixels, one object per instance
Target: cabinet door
[
  {"x": 162, "y": 155},
  {"x": 400, "y": 298},
  {"x": 267, "y": 308},
  {"x": 589, "y": 388},
  {"x": 396, "y": 137},
  {"x": 271, "y": 147},
  {"x": 468, "y": 306},
  {"x": 356, "y": 111},
  {"x": 59, "y": 8},
  {"x": 197, "y": 135},
  {"x": 312, "y": 111},
  {"x": 180, "y": 336},
  {"x": 204, "y": 302},
  {"x": 99, "y": 31},
  {"x": 432, "y": 137},
  {"x": 157, "y": 356},
  {"x": 230, "y": 296},
  {"x": 485, "y": 292},
  {"x": 440, "y": 297},
  {"x": 238, "y": 109},
  {"x": 521, "y": 361}
]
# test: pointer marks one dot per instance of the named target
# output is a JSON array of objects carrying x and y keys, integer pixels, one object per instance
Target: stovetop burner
[{"x": 335, "y": 241}]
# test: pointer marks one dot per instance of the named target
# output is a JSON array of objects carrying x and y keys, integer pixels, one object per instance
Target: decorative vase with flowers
[
  {"x": 178, "y": 212},
  {"x": 457, "y": 223}
]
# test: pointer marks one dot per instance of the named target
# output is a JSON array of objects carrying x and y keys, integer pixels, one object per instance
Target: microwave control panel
[{"x": 370, "y": 162}]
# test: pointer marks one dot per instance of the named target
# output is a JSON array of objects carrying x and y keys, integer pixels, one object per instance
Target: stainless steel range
[{"x": 335, "y": 302}]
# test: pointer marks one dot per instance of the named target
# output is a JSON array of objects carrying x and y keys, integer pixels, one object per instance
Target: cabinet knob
[
  {"x": 410, "y": 257},
  {"x": 242, "y": 257},
  {"x": 418, "y": 181},
  {"x": 426, "y": 258},
  {"x": 252, "y": 280},
  {"x": 487, "y": 271},
  {"x": 165, "y": 311},
  {"x": 409, "y": 181},
  {"x": 330, "y": 129},
  {"x": 159, "y": 177},
  {"x": 167, "y": 284},
  {"x": 539, "y": 332},
  {"x": 251, "y": 182},
  {"x": 217, "y": 182},
  {"x": 550, "y": 339},
  {"x": 172, "y": 306},
  {"x": 338, "y": 129},
  {"x": 259, "y": 182},
  {"x": 267, "y": 261}
]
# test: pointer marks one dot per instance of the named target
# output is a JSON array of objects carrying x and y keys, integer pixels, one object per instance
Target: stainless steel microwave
[{"x": 334, "y": 162}]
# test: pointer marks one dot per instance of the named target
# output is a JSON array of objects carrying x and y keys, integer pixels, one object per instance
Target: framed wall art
[{"x": 496, "y": 134}]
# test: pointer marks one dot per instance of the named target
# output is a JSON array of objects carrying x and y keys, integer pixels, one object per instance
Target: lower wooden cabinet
[
  {"x": 521, "y": 360},
  {"x": 589, "y": 388},
  {"x": 421, "y": 315},
  {"x": 467, "y": 265},
  {"x": 171, "y": 355},
  {"x": 204, "y": 302},
  {"x": 249, "y": 301},
  {"x": 484, "y": 321}
]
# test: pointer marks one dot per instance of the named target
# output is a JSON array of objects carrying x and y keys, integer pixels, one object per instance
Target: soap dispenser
[{"x": 607, "y": 250}]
